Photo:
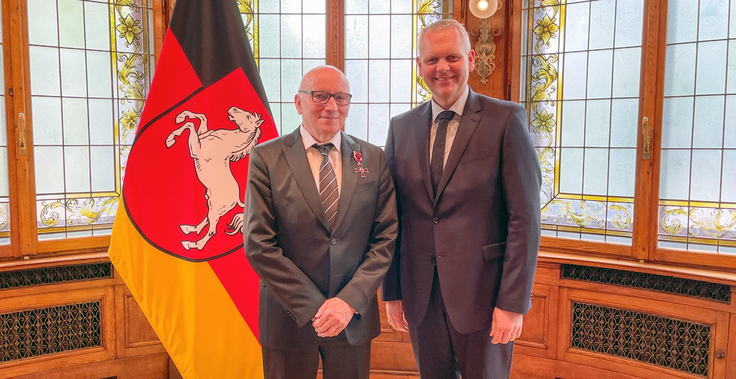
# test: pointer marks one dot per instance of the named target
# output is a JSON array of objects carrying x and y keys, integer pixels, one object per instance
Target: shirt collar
[
  {"x": 308, "y": 140},
  {"x": 457, "y": 107}
]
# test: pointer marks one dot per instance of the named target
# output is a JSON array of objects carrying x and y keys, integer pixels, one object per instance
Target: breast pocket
[
  {"x": 366, "y": 186},
  {"x": 475, "y": 156},
  {"x": 494, "y": 251}
]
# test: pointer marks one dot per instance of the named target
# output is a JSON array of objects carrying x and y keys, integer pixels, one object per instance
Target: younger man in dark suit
[
  {"x": 320, "y": 211},
  {"x": 467, "y": 180}
]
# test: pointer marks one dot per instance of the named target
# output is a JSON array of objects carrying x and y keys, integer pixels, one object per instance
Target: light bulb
[{"x": 482, "y": 5}]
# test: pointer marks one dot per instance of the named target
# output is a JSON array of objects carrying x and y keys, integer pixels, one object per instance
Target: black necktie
[
  {"x": 328, "y": 192},
  {"x": 438, "y": 150}
]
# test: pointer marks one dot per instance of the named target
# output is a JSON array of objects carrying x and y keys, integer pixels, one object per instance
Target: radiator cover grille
[
  {"x": 668, "y": 284},
  {"x": 37, "y": 332},
  {"x": 661, "y": 341}
]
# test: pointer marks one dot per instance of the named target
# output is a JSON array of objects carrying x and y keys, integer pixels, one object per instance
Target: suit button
[
  {"x": 333, "y": 241},
  {"x": 436, "y": 220}
]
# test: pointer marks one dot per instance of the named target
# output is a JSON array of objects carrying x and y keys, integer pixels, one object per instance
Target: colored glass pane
[
  {"x": 697, "y": 208},
  {"x": 90, "y": 70},
  {"x": 580, "y": 87}
]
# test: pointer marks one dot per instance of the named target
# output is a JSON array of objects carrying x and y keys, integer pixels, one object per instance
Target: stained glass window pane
[
  {"x": 729, "y": 136},
  {"x": 628, "y": 17},
  {"x": 682, "y": 21},
  {"x": 626, "y": 71},
  {"x": 4, "y": 185},
  {"x": 380, "y": 45},
  {"x": 679, "y": 79},
  {"x": 90, "y": 71},
  {"x": 713, "y": 20},
  {"x": 288, "y": 39},
  {"x": 580, "y": 87},
  {"x": 711, "y": 74},
  {"x": 697, "y": 208}
]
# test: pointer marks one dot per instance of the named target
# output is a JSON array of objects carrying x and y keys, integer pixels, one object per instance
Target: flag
[{"x": 177, "y": 238}]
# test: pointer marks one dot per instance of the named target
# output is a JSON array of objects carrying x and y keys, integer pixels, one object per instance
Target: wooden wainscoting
[
  {"x": 391, "y": 353},
  {"x": 74, "y": 320},
  {"x": 588, "y": 320},
  {"x": 611, "y": 320}
]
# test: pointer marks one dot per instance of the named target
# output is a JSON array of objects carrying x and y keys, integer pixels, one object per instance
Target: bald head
[{"x": 323, "y": 73}]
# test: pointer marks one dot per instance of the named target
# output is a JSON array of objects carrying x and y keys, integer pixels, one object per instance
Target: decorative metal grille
[
  {"x": 661, "y": 341},
  {"x": 678, "y": 286},
  {"x": 51, "y": 330},
  {"x": 52, "y": 275}
]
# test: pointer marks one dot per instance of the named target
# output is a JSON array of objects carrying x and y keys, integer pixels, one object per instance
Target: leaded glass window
[
  {"x": 581, "y": 64},
  {"x": 380, "y": 46},
  {"x": 697, "y": 207},
  {"x": 288, "y": 39},
  {"x": 90, "y": 68}
]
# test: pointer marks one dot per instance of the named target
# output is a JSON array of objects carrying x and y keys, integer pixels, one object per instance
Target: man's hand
[
  {"x": 396, "y": 318},
  {"x": 506, "y": 326},
  {"x": 332, "y": 317}
]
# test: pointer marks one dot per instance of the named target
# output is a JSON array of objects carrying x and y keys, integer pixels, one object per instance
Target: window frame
[
  {"x": 24, "y": 242},
  {"x": 644, "y": 248},
  {"x": 645, "y": 236}
]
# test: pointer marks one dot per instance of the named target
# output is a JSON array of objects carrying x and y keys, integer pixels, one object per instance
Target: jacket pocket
[
  {"x": 494, "y": 251},
  {"x": 475, "y": 156},
  {"x": 370, "y": 186}
]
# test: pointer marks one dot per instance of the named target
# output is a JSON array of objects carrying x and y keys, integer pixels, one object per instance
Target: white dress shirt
[
  {"x": 457, "y": 107},
  {"x": 315, "y": 157}
]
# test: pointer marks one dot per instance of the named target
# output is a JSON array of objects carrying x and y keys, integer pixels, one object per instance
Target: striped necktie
[{"x": 328, "y": 192}]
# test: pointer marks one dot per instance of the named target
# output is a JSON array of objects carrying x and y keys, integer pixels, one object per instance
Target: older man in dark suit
[
  {"x": 467, "y": 180},
  {"x": 320, "y": 230}
]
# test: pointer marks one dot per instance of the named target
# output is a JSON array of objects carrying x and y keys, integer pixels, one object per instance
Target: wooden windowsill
[
  {"x": 723, "y": 277},
  {"x": 58, "y": 260}
]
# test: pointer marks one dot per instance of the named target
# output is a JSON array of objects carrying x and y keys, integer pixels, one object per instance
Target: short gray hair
[{"x": 442, "y": 25}]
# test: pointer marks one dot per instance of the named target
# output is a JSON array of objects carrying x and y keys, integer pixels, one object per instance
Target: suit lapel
[
  {"x": 296, "y": 157},
  {"x": 468, "y": 124},
  {"x": 349, "y": 176},
  {"x": 424, "y": 124}
]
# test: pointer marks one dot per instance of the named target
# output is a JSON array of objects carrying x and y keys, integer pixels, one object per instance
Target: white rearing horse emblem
[{"x": 212, "y": 152}]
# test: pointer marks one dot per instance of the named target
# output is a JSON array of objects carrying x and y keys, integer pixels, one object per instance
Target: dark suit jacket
[
  {"x": 302, "y": 263},
  {"x": 484, "y": 227}
]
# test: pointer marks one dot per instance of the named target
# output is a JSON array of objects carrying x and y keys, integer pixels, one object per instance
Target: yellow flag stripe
[{"x": 187, "y": 306}]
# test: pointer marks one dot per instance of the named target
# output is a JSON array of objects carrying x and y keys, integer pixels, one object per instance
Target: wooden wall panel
[
  {"x": 544, "y": 349},
  {"x": 153, "y": 366},
  {"x": 538, "y": 336},
  {"x": 138, "y": 332},
  {"x": 47, "y": 362},
  {"x": 526, "y": 367},
  {"x": 129, "y": 347},
  {"x": 391, "y": 352},
  {"x": 134, "y": 335},
  {"x": 392, "y": 356},
  {"x": 731, "y": 354},
  {"x": 719, "y": 322}
]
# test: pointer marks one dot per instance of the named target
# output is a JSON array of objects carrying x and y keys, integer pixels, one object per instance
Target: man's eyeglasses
[{"x": 322, "y": 97}]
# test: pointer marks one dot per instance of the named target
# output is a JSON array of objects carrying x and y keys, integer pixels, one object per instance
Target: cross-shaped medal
[{"x": 360, "y": 170}]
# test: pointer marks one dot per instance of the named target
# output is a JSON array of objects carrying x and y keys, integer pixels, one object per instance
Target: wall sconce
[
  {"x": 483, "y": 8},
  {"x": 485, "y": 49}
]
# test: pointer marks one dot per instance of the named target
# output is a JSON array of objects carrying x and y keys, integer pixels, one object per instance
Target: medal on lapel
[{"x": 359, "y": 159}]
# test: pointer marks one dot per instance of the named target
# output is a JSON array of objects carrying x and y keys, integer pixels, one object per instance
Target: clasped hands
[
  {"x": 506, "y": 326},
  {"x": 332, "y": 317}
]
